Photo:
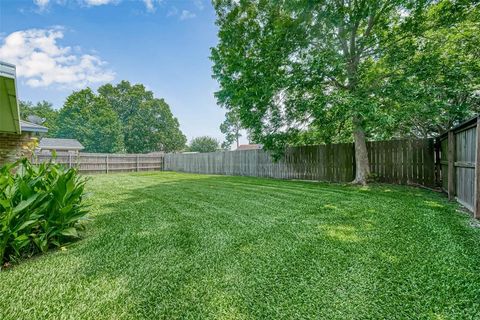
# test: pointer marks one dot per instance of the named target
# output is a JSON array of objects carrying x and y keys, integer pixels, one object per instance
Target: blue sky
[{"x": 60, "y": 46}]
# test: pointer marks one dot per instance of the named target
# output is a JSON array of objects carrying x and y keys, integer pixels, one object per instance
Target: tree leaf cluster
[{"x": 116, "y": 118}]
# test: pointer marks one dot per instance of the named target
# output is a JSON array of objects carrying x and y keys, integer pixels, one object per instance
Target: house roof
[
  {"x": 10, "y": 119},
  {"x": 60, "y": 144},
  {"x": 249, "y": 147},
  {"x": 32, "y": 127}
]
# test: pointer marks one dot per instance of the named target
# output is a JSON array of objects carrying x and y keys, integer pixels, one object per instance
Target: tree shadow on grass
[{"x": 229, "y": 247}]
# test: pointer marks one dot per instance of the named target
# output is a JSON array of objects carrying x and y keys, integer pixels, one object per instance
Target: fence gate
[{"x": 458, "y": 150}]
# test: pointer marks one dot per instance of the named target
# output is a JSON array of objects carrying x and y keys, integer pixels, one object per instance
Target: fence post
[
  {"x": 69, "y": 160},
  {"x": 476, "y": 187},
  {"x": 451, "y": 165},
  {"x": 137, "y": 163},
  {"x": 106, "y": 163},
  {"x": 438, "y": 165}
]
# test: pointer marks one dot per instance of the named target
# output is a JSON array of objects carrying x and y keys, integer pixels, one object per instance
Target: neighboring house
[
  {"x": 18, "y": 138},
  {"x": 47, "y": 145},
  {"x": 249, "y": 147}
]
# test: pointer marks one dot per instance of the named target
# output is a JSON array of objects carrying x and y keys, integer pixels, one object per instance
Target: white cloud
[
  {"x": 199, "y": 4},
  {"x": 187, "y": 15},
  {"x": 41, "y": 3},
  {"x": 42, "y": 62},
  {"x": 94, "y": 3},
  {"x": 150, "y": 6}
]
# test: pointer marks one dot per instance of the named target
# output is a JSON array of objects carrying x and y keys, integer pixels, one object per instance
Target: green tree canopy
[
  {"x": 339, "y": 70},
  {"x": 203, "y": 144},
  {"x": 41, "y": 113},
  {"x": 91, "y": 120},
  {"x": 148, "y": 123},
  {"x": 432, "y": 80}
]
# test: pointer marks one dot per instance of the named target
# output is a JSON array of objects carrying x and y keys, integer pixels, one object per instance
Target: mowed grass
[{"x": 182, "y": 246}]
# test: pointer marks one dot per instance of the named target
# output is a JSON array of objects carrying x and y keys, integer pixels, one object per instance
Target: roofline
[
  {"x": 4, "y": 71},
  {"x": 32, "y": 127},
  {"x": 13, "y": 99},
  {"x": 60, "y": 148}
]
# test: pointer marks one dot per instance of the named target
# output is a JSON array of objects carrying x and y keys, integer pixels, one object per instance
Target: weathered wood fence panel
[
  {"x": 400, "y": 161},
  {"x": 326, "y": 163},
  {"x": 403, "y": 161},
  {"x": 105, "y": 163},
  {"x": 459, "y": 164}
]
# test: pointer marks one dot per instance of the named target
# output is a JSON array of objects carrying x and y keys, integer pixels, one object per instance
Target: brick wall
[{"x": 15, "y": 146}]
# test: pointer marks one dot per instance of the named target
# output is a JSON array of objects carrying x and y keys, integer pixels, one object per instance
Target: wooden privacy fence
[
  {"x": 105, "y": 163},
  {"x": 398, "y": 161},
  {"x": 325, "y": 162},
  {"x": 451, "y": 161},
  {"x": 458, "y": 162}
]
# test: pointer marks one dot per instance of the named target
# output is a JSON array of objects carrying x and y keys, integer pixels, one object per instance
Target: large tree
[
  {"x": 41, "y": 113},
  {"x": 91, "y": 120},
  {"x": 291, "y": 66},
  {"x": 148, "y": 123}
]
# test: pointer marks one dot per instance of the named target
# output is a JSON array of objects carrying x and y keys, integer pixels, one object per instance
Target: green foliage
[
  {"x": 121, "y": 118},
  {"x": 231, "y": 129},
  {"x": 148, "y": 123},
  {"x": 40, "y": 207},
  {"x": 42, "y": 113},
  {"x": 388, "y": 68},
  {"x": 203, "y": 144},
  {"x": 91, "y": 120},
  {"x": 434, "y": 78}
]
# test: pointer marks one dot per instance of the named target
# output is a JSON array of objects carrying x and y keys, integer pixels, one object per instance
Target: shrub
[{"x": 40, "y": 208}]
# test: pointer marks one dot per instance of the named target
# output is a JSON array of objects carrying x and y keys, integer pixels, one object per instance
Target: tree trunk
[{"x": 362, "y": 166}]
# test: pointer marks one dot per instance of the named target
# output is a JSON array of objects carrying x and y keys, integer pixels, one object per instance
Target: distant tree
[
  {"x": 148, "y": 123},
  {"x": 41, "y": 113},
  {"x": 91, "y": 120},
  {"x": 203, "y": 144},
  {"x": 231, "y": 129},
  {"x": 153, "y": 128}
]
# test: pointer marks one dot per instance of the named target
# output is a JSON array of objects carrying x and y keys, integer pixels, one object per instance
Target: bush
[{"x": 40, "y": 208}]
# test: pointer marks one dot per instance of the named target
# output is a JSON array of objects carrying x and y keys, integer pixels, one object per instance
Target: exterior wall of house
[{"x": 15, "y": 146}]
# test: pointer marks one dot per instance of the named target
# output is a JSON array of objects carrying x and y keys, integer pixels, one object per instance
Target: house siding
[{"x": 16, "y": 146}]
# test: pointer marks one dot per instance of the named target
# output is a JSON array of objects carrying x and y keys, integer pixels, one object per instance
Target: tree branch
[{"x": 336, "y": 82}]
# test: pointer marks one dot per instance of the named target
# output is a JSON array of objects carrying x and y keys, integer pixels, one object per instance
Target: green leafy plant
[{"x": 40, "y": 207}]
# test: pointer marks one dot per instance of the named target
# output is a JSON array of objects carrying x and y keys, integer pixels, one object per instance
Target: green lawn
[{"x": 168, "y": 245}]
